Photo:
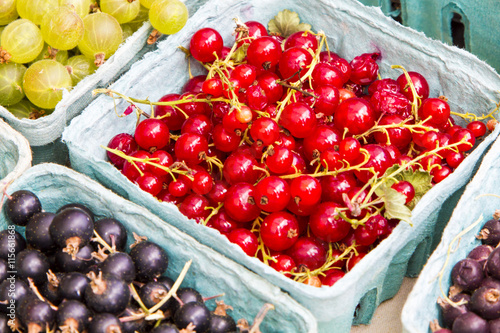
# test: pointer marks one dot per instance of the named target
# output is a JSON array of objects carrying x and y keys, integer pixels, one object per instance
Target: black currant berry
[
  {"x": 76, "y": 205},
  {"x": 133, "y": 326},
  {"x": 107, "y": 294},
  {"x": 222, "y": 324},
  {"x": 120, "y": 265},
  {"x": 150, "y": 260},
  {"x": 4, "y": 324},
  {"x": 195, "y": 313},
  {"x": 186, "y": 295},
  {"x": 64, "y": 262},
  {"x": 72, "y": 316},
  {"x": 14, "y": 291},
  {"x": 4, "y": 268},
  {"x": 165, "y": 328},
  {"x": 11, "y": 240},
  {"x": 105, "y": 323},
  {"x": 72, "y": 286},
  {"x": 37, "y": 315},
  {"x": 37, "y": 232},
  {"x": 21, "y": 206},
  {"x": 32, "y": 264},
  {"x": 112, "y": 232},
  {"x": 71, "y": 229},
  {"x": 50, "y": 287},
  {"x": 152, "y": 293}
]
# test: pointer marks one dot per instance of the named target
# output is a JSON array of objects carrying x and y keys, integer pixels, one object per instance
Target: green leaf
[
  {"x": 240, "y": 53},
  {"x": 286, "y": 23},
  {"x": 421, "y": 181},
  {"x": 394, "y": 201}
]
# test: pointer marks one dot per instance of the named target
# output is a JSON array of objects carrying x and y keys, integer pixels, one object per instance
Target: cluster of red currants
[{"x": 281, "y": 147}]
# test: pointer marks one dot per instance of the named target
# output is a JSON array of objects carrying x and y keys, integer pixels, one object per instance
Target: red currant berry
[
  {"x": 218, "y": 192},
  {"x": 152, "y": 134},
  {"x": 194, "y": 207},
  {"x": 180, "y": 187},
  {"x": 327, "y": 101},
  {"x": 239, "y": 167},
  {"x": 379, "y": 159},
  {"x": 191, "y": 148},
  {"x": 453, "y": 158},
  {"x": 355, "y": 114},
  {"x": 222, "y": 222},
  {"x": 332, "y": 277},
  {"x": 245, "y": 74},
  {"x": 162, "y": 158},
  {"x": 245, "y": 239},
  {"x": 466, "y": 136},
  {"x": 272, "y": 194},
  {"x": 131, "y": 170},
  {"x": 204, "y": 43},
  {"x": 326, "y": 223},
  {"x": 150, "y": 183},
  {"x": 125, "y": 143},
  {"x": 225, "y": 141},
  {"x": 436, "y": 109},
  {"x": 194, "y": 85},
  {"x": 349, "y": 149},
  {"x": 405, "y": 188},
  {"x": 279, "y": 160},
  {"x": 212, "y": 87},
  {"x": 283, "y": 264},
  {"x": 264, "y": 52},
  {"x": 269, "y": 83},
  {"x": 240, "y": 203},
  {"x": 326, "y": 74},
  {"x": 292, "y": 62},
  {"x": 279, "y": 231},
  {"x": 302, "y": 39},
  {"x": 333, "y": 187},
  {"x": 419, "y": 82},
  {"x": 309, "y": 252},
  {"x": 364, "y": 68},
  {"x": 299, "y": 119},
  {"x": 197, "y": 124},
  {"x": 439, "y": 174},
  {"x": 354, "y": 260},
  {"x": 172, "y": 117},
  {"x": 477, "y": 128},
  {"x": 322, "y": 138}
]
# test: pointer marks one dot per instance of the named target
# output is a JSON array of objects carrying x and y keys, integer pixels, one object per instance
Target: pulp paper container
[
  {"x": 43, "y": 133},
  {"x": 459, "y": 22},
  {"x": 211, "y": 273},
  {"x": 15, "y": 154},
  {"x": 421, "y": 307},
  {"x": 352, "y": 29}
]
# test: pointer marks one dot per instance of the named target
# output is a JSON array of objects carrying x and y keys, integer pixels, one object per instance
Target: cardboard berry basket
[
  {"x": 476, "y": 206},
  {"x": 44, "y": 133},
  {"x": 351, "y": 29},
  {"x": 15, "y": 154},
  {"x": 210, "y": 272}
]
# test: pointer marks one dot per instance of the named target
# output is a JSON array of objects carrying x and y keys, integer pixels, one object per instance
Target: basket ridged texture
[
  {"x": 459, "y": 22},
  {"x": 43, "y": 132},
  {"x": 15, "y": 154},
  {"x": 421, "y": 307},
  {"x": 210, "y": 273},
  {"x": 469, "y": 84}
]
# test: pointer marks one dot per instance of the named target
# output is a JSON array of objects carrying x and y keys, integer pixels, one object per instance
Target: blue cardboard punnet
[
  {"x": 210, "y": 273},
  {"x": 352, "y": 29},
  {"x": 15, "y": 154},
  {"x": 421, "y": 307}
]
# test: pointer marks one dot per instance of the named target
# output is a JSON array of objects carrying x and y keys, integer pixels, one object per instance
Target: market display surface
[{"x": 318, "y": 159}]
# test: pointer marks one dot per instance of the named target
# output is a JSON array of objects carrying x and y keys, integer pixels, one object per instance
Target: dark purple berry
[
  {"x": 4, "y": 324},
  {"x": 50, "y": 287},
  {"x": 37, "y": 315},
  {"x": 112, "y": 232},
  {"x": 11, "y": 240},
  {"x": 165, "y": 328},
  {"x": 490, "y": 233},
  {"x": 64, "y": 262},
  {"x": 71, "y": 229},
  {"x": 107, "y": 294},
  {"x": 4, "y": 268},
  {"x": 493, "y": 264},
  {"x": 467, "y": 274},
  {"x": 133, "y": 326},
  {"x": 150, "y": 260},
  {"x": 105, "y": 323},
  {"x": 494, "y": 325},
  {"x": 167, "y": 282},
  {"x": 222, "y": 324},
  {"x": 486, "y": 303},
  {"x": 37, "y": 232},
  {"x": 450, "y": 312},
  {"x": 21, "y": 206},
  {"x": 120, "y": 265},
  {"x": 470, "y": 323},
  {"x": 186, "y": 295},
  {"x": 74, "y": 316},
  {"x": 21, "y": 290},
  {"x": 72, "y": 286},
  {"x": 32, "y": 264},
  {"x": 490, "y": 282},
  {"x": 78, "y": 206},
  {"x": 196, "y": 313},
  {"x": 152, "y": 293}
]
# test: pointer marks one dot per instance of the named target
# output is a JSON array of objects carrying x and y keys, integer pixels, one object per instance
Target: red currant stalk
[
  {"x": 330, "y": 261},
  {"x": 265, "y": 252},
  {"x": 419, "y": 128},
  {"x": 215, "y": 211},
  {"x": 472, "y": 117},
  {"x": 416, "y": 99},
  {"x": 174, "y": 168}
]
